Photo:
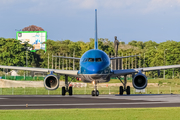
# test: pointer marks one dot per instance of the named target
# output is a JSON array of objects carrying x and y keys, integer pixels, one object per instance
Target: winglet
[{"x": 95, "y": 41}]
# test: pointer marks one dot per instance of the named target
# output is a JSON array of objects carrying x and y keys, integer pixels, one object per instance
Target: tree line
[{"x": 13, "y": 53}]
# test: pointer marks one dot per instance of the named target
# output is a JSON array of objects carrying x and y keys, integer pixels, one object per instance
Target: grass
[
  {"x": 166, "y": 86},
  {"x": 87, "y": 90},
  {"x": 157, "y": 80},
  {"x": 93, "y": 114}
]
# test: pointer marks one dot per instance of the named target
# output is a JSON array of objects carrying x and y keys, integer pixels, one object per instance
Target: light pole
[
  {"x": 139, "y": 60},
  {"x": 132, "y": 62},
  {"x": 135, "y": 61},
  {"x": 73, "y": 59},
  {"x": 27, "y": 48},
  {"x": 144, "y": 63},
  {"x": 122, "y": 62},
  {"x": 59, "y": 61},
  {"x": 129, "y": 62},
  {"x": 126, "y": 61},
  {"x": 48, "y": 60},
  {"x": 164, "y": 62},
  {"x": 26, "y": 59},
  {"x": 52, "y": 61},
  {"x": 144, "y": 60}
]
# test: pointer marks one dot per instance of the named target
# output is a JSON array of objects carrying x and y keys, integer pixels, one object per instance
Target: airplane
[{"x": 95, "y": 68}]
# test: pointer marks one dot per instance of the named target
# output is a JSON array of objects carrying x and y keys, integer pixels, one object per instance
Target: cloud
[
  {"x": 8, "y": 4},
  {"x": 84, "y": 4},
  {"x": 161, "y": 5},
  {"x": 141, "y": 6},
  {"x": 74, "y": 6},
  {"x": 7, "y": 1}
]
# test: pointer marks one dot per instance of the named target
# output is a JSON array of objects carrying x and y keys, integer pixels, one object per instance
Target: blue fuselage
[{"x": 94, "y": 65}]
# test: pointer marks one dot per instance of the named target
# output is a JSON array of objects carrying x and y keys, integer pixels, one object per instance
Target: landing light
[{"x": 93, "y": 82}]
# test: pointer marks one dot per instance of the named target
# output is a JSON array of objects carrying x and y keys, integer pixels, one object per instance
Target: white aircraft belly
[{"x": 95, "y": 77}]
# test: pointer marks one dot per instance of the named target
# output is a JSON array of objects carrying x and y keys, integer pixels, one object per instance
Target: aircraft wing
[
  {"x": 68, "y": 57},
  {"x": 130, "y": 71},
  {"x": 73, "y": 73},
  {"x": 123, "y": 57}
]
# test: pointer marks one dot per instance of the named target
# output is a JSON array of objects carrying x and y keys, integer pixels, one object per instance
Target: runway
[{"x": 87, "y": 101}]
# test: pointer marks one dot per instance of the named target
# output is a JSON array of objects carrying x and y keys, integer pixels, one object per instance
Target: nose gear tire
[
  {"x": 93, "y": 93},
  {"x": 63, "y": 91},
  {"x": 97, "y": 93},
  {"x": 70, "y": 90}
]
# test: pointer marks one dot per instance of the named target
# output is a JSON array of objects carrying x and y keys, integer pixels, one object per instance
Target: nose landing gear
[{"x": 95, "y": 92}]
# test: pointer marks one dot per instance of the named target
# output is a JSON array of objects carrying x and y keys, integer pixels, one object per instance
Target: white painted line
[
  {"x": 3, "y": 98},
  {"x": 82, "y": 104}
]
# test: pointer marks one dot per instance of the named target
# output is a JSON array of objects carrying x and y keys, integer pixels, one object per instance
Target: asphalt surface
[{"x": 87, "y": 101}]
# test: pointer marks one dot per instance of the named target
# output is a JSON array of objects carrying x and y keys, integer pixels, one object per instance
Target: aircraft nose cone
[{"x": 93, "y": 69}]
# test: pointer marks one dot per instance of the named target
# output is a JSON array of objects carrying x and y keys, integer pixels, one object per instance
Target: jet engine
[
  {"x": 140, "y": 81},
  {"x": 51, "y": 82}
]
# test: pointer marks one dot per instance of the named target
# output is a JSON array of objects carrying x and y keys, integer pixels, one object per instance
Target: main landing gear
[
  {"x": 121, "y": 89},
  {"x": 66, "y": 88},
  {"x": 95, "y": 92}
]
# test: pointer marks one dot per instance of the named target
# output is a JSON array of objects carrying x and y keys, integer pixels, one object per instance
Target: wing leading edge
[
  {"x": 68, "y": 57},
  {"x": 122, "y": 57},
  {"x": 73, "y": 73},
  {"x": 130, "y": 71}
]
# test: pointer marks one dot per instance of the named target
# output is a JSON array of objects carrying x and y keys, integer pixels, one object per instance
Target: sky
[{"x": 140, "y": 20}]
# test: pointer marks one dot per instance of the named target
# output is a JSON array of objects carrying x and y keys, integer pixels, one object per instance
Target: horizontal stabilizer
[
  {"x": 123, "y": 57},
  {"x": 68, "y": 57}
]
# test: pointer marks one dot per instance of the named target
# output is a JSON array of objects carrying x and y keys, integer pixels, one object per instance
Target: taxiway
[{"x": 87, "y": 101}]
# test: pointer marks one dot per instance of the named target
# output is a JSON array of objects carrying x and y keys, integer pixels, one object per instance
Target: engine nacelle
[
  {"x": 51, "y": 82},
  {"x": 140, "y": 81}
]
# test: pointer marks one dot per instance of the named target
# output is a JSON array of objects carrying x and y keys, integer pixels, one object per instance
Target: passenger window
[
  {"x": 91, "y": 59},
  {"x": 98, "y": 60}
]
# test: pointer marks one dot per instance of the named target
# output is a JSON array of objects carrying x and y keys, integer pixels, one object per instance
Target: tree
[
  {"x": 32, "y": 28},
  {"x": 133, "y": 43},
  {"x": 13, "y": 53}
]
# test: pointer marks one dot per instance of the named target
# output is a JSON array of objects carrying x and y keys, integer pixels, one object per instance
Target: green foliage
[{"x": 13, "y": 53}]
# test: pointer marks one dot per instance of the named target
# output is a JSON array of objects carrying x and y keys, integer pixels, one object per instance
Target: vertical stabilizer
[{"x": 96, "y": 40}]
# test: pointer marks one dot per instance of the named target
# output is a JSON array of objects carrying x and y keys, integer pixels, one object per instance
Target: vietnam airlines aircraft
[{"x": 94, "y": 67}]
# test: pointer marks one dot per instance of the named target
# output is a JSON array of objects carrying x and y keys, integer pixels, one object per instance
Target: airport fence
[
  {"x": 86, "y": 90},
  {"x": 23, "y": 78},
  {"x": 37, "y": 78},
  {"x": 26, "y": 78}
]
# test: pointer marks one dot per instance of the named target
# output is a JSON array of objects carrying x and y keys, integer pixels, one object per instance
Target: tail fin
[{"x": 96, "y": 40}]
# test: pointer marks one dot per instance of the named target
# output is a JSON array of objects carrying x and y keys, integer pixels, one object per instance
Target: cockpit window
[
  {"x": 85, "y": 60},
  {"x": 91, "y": 59},
  {"x": 98, "y": 59}
]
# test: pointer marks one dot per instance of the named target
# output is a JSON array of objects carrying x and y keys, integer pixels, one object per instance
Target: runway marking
[
  {"x": 33, "y": 105},
  {"x": 3, "y": 98}
]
